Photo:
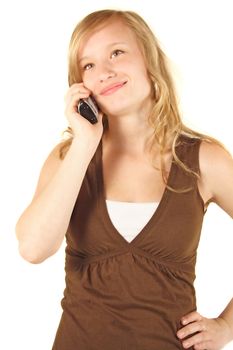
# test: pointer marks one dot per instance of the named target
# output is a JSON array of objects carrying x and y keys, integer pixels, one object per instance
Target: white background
[{"x": 34, "y": 38}]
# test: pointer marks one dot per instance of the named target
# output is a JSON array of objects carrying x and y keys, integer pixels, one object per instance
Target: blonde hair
[{"x": 164, "y": 116}]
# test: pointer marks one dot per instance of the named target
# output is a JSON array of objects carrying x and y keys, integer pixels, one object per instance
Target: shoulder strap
[{"x": 188, "y": 152}]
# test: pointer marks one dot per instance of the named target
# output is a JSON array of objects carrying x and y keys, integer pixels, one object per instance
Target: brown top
[{"x": 122, "y": 295}]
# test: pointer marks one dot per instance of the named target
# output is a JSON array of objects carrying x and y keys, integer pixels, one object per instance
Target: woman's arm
[
  {"x": 204, "y": 333},
  {"x": 227, "y": 315},
  {"x": 43, "y": 225},
  {"x": 216, "y": 167},
  {"x": 41, "y": 228}
]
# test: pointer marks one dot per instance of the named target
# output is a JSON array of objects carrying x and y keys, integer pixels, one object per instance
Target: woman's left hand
[{"x": 204, "y": 333}]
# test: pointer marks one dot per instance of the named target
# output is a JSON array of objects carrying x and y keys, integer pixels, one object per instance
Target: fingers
[
  {"x": 88, "y": 134},
  {"x": 75, "y": 89},
  {"x": 198, "y": 341},
  {"x": 198, "y": 330},
  {"x": 195, "y": 326},
  {"x": 191, "y": 317},
  {"x": 199, "y": 326},
  {"x": 203, "y": 333},
  {"x": 74, "y": 94},
  {"x": 203, "y": 346}
]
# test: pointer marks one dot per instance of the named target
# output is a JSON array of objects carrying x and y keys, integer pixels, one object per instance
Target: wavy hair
[{"x": 165, "y": 116}]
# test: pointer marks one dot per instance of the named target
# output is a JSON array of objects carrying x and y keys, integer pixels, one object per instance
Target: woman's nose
[{"x": 106, "y": 73}]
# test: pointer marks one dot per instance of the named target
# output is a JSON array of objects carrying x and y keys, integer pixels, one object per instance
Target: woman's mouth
[{"x": 108, "y": 90}]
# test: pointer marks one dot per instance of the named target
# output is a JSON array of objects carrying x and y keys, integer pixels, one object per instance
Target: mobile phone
[{"x": 88, "y": 108}]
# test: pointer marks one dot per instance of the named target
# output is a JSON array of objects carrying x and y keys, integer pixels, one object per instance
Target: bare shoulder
[
  {"x": 213, "y": 157},
  {"x": 53, "y": 160},
  {"x": 49, "y": 168},
  {"x": 216, "y": 170}
]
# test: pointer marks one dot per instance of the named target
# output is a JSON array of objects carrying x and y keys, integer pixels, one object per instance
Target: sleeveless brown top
[{"x": 122, "y": 295}]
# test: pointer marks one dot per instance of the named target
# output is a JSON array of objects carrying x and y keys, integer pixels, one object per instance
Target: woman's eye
[
  {"x": 116, "y": 53},
  {"x": 88, "y": 66}
]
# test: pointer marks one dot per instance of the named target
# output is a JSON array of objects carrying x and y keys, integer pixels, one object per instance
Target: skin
[
  {"x": 103, "y": 63},
  {"x": 128, "y": 129},
  {"x": 128, "y": 173}
]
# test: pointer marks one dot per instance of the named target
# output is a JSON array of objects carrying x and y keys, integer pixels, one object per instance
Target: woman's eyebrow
[
  {"x": 108, "y": 46},
  {"x": 117, "y": 43}
]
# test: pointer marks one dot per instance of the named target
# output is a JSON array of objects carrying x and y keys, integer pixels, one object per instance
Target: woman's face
[{"x": 113, "y": 68}]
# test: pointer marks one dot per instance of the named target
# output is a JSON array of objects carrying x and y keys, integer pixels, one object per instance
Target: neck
[{"x": 131, "y": 134}]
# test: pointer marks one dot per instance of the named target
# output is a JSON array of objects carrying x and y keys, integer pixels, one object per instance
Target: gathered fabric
[{"x": 131, "y": 295}]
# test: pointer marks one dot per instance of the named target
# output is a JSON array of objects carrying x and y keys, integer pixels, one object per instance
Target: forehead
[{"x": 104, "y": 36}]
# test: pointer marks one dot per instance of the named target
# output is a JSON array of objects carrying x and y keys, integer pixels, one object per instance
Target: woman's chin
[{"x": 116, "y": 111}]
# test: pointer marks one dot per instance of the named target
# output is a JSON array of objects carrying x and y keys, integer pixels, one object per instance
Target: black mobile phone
[{"x": 88, "y": 108}]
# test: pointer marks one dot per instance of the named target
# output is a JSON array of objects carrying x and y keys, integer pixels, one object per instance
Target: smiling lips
[{"x": 112, "y": 88}]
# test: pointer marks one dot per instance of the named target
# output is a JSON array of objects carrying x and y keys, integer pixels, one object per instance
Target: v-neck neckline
[{"x": 153, "y": 221}]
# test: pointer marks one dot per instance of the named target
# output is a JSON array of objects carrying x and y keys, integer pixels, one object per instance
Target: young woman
[{"x": 130, "y": 193}]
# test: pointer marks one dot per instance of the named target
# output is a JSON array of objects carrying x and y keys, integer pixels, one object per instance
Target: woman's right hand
[{"x": 86, "y": 133}]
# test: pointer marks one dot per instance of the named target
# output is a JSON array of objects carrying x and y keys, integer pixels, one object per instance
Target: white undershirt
[{"x": 130, "y": 218}]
